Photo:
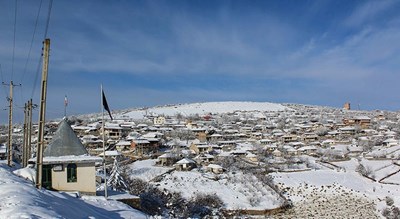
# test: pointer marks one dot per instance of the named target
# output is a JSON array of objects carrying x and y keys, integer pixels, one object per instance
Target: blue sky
[{"x": 148, "y": 53}]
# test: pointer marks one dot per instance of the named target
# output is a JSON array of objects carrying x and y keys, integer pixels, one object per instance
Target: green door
[{"x": 46, "y": 177}]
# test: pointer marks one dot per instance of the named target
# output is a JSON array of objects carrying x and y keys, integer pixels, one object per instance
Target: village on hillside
[{"x": 230, "y": 158}]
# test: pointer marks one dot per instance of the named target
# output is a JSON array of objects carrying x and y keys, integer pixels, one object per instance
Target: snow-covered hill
[
  {"x": 205, "y": 108},
  {"x": 20, "y": 199}
]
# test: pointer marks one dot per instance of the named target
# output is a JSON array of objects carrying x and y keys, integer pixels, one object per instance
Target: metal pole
[{"x": 42, "y": 115}]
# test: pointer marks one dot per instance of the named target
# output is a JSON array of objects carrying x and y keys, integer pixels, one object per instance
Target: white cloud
[{"x": 368, "y": 11}]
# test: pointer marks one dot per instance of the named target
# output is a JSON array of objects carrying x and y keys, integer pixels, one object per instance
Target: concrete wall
[{"x": 86, "y": 179}]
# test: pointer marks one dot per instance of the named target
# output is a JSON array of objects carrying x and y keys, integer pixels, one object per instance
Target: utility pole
[
  {"x": 29, "y": 128},
  {"x": 42, "y": 115},
  {"x": 10, "y": 126},
  {"x": 25, "y": 139},
  {"x": 26, "y": 155}
]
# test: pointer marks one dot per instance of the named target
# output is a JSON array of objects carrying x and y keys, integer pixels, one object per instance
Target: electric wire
[
  {"x": 41, "y": 57},
  {"x": 15, "y": 31},
  {"x": 36, "y": 77},
  {"x": 31, "y": 45},
  {"x": 33, "y": 37},
  {"x": 48, "y": 19},
  {"x": 2, "y": 80}
]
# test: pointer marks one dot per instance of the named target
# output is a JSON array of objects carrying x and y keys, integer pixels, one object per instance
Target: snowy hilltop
[{"x": 205, "y": 108}]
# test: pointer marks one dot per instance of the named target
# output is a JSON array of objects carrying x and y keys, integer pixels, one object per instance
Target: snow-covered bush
[
  {"x": 204, "y": 205},
  {"x": 151, "y": 202},
  {"x": 136, "y": 186},
  {"x": 391, "y": 211},
  {"x": 365, "y": 171},
  {"x": 389, "y": 201},
  {"x": 254, "y": 200}
]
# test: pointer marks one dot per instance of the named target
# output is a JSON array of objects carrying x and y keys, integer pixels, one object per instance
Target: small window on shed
[{"x": 71, "y": 173}]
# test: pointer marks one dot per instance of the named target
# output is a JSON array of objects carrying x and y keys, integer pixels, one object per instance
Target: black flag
[{"x": 105, "y": 105}]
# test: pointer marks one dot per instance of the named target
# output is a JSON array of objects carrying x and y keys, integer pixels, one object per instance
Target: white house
[{"x": 66, "y": 163}]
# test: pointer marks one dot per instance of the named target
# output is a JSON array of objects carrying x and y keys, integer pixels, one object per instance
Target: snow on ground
[
  {"x": 384, "y": 172},
  {"x": 390, "y": 152},
  {"x": 20, "y": 199},
  {"x": 146, "y": 170},
  {"x": 333, "y": 201},
  {"x": 380, "y": 168},
  {"x": 205, "y": 108},
  {"x": 393, "y": 179},
  {"x": 340, "y": 194},
  {"x": 237, "y": 191}
]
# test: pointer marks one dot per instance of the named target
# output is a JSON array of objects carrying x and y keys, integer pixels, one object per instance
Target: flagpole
[
  {"x": 104, "y": 143},
  {"x": 65, "y": 106}
]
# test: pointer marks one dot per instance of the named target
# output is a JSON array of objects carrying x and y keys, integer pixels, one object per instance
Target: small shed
[
  {"x": 215, "y": 168},
  {"x": 185, "y": 164},
  {"x": 166, "y": 159}
]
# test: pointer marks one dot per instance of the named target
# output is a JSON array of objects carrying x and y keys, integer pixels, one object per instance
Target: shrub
[
  {"x": 136, "y": 186},
  {"x": 364, "y": 171},
  {"x": 389, "y": 201},
  {"x": 209, "y": 200},
  {"x": 151, "y": 203},
  {"x": 203, "y": 205}
]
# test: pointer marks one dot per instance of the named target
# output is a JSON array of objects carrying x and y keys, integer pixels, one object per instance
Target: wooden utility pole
[
  {"x": 25, "y": 139},
  {"x": 42, "y": 115},
  {"x": 29, "y": 128},
  {"x": 10, "y": 125},
  {"x": 26, "y": 155}
]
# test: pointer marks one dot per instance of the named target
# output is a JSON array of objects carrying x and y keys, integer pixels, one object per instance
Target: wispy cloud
[
  {"x": 368, "y": 11},
  {"x": 158, "y": 52}
]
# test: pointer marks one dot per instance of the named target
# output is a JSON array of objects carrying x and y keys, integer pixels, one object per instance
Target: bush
[
  {"x": 151, "y": 203},
  {"x": 136, "y": 186},
  {"x": 391, "y": 212},
  {"x": 203, "y": 205},
  {"x": 396, "y": 212},
  {"x": 365, "y": 171},
  {"x": 209, "y": 200},
  {"x": 386, "y": 212},
  {"x": 389, "y": 201}
]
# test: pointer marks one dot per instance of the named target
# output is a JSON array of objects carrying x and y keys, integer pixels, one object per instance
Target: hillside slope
[{"x": 20, "y": 199}]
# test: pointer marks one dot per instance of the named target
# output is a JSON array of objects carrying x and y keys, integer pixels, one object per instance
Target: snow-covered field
[
  {"x": 337, "y": 193},
  {"x": 205, "y": 108},
  {"x": 20, "y": 199},
  {"x": 145, "y": 170},
  {"x": 237, "y": 191}
]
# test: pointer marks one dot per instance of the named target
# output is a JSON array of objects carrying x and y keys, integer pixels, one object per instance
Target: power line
[
  {"x": 36, "y": 77},
  {"x": 15, "y": 30},
  {"x": 33, "y": 37},
  {"x": 48, "y": 19},
  {"x": 41, "y": 58},
  {"x": 2, "y": 80}
]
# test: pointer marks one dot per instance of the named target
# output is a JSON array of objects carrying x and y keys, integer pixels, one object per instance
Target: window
[{"x": 71, "y": 172}]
